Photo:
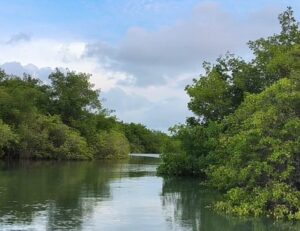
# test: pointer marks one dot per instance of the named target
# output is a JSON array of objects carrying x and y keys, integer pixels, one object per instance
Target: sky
[{"x": 141, "y": 53}]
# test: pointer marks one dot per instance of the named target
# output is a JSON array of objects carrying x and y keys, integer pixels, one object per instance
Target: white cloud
[
  {"x": 16, "y": 68},
  {"x": 209, "y": 31},
  {"x": 49, "y": 53}
]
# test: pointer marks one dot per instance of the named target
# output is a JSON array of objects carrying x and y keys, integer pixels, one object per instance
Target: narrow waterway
[{"x": 107, "y": 195}]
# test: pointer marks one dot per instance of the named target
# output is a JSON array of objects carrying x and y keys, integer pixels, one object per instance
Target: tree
[
  {"x": 258, "y": 160},
  {"x": 46, "y": 137},
  {"x": 73, "y": 96},
  {"x": 7, "y": 139},
  {"x": 112, "y": 144},
  {"x": 142, "y": 139},
  {"x": 20, "y": 98}
]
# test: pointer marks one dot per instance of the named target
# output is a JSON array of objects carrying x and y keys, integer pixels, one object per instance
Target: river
[{"x": 108, "y": 195}]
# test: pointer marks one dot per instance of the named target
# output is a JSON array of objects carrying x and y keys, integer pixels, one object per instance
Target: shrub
[
  {"x": 48, "y": 138},
  {"x": 111, "y": 144},
  {"x": 7, "y": 139}
]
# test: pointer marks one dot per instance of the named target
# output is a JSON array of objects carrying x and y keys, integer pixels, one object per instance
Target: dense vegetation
[
  {"x": 143, "y": 140},
  {"x": 64, "y": 120},
  {"x": 245, "y": 136}
]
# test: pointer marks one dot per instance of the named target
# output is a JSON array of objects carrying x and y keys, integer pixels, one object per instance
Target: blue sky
[
  {"x": 89, "y": 19},
  {"x": 141, "y": 53}
]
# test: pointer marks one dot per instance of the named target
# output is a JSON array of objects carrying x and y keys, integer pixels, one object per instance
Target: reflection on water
[
  {"x": 187, "y": 205},
  {"x": 126, "y": 195},
  {"x": 145, "y": 155},
  {"x": 51, "y": 194}
]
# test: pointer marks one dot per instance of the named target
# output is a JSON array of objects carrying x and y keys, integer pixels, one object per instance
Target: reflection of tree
[
  {"x": 142, "y": 166},
  {"x": 186, "y": 204},
  {"x": 54, "y": 187}
]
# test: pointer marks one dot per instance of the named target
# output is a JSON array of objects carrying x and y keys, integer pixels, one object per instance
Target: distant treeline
[
  {"x": 64, "y": 120},
  {"x": 244, "y": 139}
]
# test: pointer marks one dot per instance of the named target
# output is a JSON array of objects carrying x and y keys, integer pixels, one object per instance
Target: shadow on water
[{"x": 186, "y": 203}]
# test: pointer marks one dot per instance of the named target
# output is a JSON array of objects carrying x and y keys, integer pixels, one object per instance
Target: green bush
[
  {"x": 7, "y": 139},
  {"x": 111, "y": 144},
  {"x": 48, "y": 138},
  {"x": 259, "y": 154},
  {"x": 176, "y": 162}
]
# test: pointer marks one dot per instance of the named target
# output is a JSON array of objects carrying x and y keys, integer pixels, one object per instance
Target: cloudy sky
[{"x": 141, "y": 53}]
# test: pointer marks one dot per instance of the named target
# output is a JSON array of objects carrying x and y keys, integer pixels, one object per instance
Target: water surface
[{"x": 105, "y": 195}]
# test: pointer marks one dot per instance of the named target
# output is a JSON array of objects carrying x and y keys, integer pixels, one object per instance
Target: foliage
[
  {"x": 184, "y": 154},
  {"x": 277, "y": 200},
  {"x": 48, "y": 138},
  {"x": 72, "y": 96},
  {"x": 178, "y": 164},
  {"x": 112, "y": 144},
  {"x": 7, "y": 138},
  {"x": 21, "y": 98},
  {"x": 259, "y": 154},
  {"x": 144, "y": 140}
]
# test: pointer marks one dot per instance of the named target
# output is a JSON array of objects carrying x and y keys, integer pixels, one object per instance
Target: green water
[{"x": 125, "y": 196}]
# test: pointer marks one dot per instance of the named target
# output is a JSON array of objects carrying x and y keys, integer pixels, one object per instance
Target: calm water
[{"x": 125, "y": 196}]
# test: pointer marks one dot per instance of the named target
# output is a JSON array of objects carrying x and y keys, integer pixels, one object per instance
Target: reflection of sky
[
  {"x": 135, "y": 205},
  {"x": 39, "y": 222}
]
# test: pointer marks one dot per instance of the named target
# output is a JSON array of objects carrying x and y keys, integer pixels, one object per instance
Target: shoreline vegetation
[
  {"x": 65, "y": 121},
  {"x": 244, "y": 138}
]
